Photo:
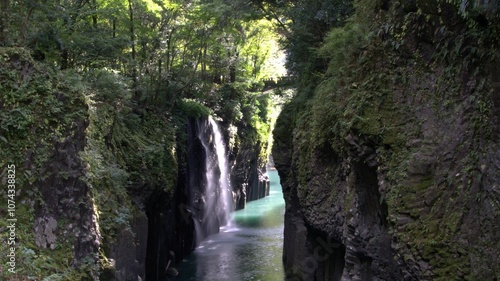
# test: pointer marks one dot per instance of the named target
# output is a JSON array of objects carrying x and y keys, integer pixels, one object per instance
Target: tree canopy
[{"x": 167, "y": 48}]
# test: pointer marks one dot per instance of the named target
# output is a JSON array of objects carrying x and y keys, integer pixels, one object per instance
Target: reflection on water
[{"x": 249, "y": 249}]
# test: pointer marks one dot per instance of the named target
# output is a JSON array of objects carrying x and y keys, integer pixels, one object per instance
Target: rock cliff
[
  {"x": 53, "y": 207},
  {"x": 390, "y": 166}
]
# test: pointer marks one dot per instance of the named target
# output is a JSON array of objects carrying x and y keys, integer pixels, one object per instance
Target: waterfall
[
  {"x": 224, "y": 182},
  {"x": 217, "y": 194}
]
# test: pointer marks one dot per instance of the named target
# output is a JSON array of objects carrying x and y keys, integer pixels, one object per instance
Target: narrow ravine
[{"x": 250, "y": 249}]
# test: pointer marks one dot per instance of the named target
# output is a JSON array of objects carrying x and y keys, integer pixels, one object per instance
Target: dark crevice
[
  {"x": 385, "y": 5},
  {"x": 366, "y": 267},
  {"x": 170, "y": 216},
  {"x": 328, "y": 256},
  {"x": 374, "y": 209},
  {"x": 160, "y": 220}
]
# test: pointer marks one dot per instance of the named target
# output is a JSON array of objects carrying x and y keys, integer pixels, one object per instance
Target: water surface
[{"x": 250, "y": 248}]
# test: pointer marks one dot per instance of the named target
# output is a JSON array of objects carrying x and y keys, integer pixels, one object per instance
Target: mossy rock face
[
  {"x": 411, "y": 151},
  {"x": 86, "y": 169},
  {"x": 133, "y": 170},
  {"x": 44, "y": 117}
]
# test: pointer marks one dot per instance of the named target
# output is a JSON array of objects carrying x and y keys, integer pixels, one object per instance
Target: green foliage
[
  {"x": 245, "y": 114},
  {"x": 33, "y": 101},
  {"x": 467, "y": 8},
  {"x": 109, "y": 86},
  {"x": 262, "y": 55},
  {"x": 193, "y": 109},
  {"x": 306, "y": 29},
  {"x": 164, "y": 51},
  {"x": 341, "y": 43}
]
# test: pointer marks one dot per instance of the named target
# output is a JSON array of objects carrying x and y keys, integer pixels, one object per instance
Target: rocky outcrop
[
  {"x": 248, "y": 174},
  {"x": 129, "y": 252},
  {"x": 67, "y": 197},
  {"x": 404, "y": 186},
  {"x": 53, "y": 202}
]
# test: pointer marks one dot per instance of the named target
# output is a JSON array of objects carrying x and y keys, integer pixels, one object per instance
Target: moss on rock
[
  {"x": 403, "y": 102},
  {"x": 43, "y": 115}
]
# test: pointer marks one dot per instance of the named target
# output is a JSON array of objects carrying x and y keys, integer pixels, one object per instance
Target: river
[{"x": 250, "y": 248}]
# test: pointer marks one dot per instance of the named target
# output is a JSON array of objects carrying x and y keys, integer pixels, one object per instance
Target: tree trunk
[
  {"x": 204, "y": 63},
  {"x": 132, "y": 30},
  {"x": 4, "y": 22},
  {"x": 255, "y": 59},
  {"x": 158, "y": 86},
  {"x": 200, "y": 55},
  {"x": 232, "y": 68},
  {"x": 64, "y": 58},
  {"x": 169, "y": 46},
  {"x": 133, "y": 55},
  {"x": 94, "y": 14},
  {"x": 114, "y": 27}
]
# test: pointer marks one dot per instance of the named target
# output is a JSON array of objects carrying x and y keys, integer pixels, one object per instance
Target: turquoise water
[{"x": 248, "y": 249}]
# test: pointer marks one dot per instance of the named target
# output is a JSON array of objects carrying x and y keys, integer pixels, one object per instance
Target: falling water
[
  {"x": 217, "y": 193},
  {"x": 224, "y": 184},
  {"x": 252, "y": 250}
]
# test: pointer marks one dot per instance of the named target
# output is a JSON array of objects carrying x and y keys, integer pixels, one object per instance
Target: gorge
[
  {"x": 249, "y": 249},
  {"x": 140, "y": 132}
]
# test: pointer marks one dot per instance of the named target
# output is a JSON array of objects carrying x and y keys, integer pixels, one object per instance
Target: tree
[{"x": 4, "y": 22}]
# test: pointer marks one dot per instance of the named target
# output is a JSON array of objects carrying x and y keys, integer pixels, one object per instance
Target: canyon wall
[{"x": 390, "y": 164}]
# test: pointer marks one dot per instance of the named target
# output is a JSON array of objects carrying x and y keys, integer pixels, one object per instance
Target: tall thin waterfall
[
  {"x": 217, "y": 194},
  {"x": 224, "y": 183}
]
